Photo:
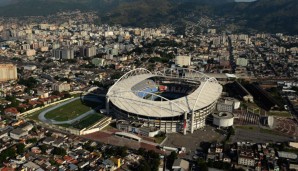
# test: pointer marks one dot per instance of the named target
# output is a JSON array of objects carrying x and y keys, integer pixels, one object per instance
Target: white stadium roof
[{"x": 122, "y": 96}]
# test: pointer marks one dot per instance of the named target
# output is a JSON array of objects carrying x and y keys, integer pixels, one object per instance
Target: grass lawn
[
  {"x": 279, "y": 113},
  {"x": 68, "y": 111},
  {"x": 34, "y": 115},
  {"x": 159, "y": 139},
  {"x": 248, "y": 127},
  {"x": 87, "y": 121}
]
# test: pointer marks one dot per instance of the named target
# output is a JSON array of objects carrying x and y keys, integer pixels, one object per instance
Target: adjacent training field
[
  {"x": 87, "y": 121},
  {"x": 68, "y": 111}
]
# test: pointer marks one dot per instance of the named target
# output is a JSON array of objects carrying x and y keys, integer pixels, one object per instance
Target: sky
[
  {"x": 5, "y": 2},
  {"x": 245, "y": 0}
]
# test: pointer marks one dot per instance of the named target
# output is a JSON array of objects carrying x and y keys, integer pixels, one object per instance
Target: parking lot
[{"x": 192, "y": 141}]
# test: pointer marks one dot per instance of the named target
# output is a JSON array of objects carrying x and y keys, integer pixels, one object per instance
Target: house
[
  {"x": 48, "y": 140},
  {"x": 73, "y": 167},
  {"x": 26, "y": 126},
  {"x": 11, "y": 111},
  {"x": 18, "y": 133},
  {"x": 30, "y": 166},
  {"x": 180, "y": 165},
  {"x": 58, "y": 143},
  {"x": 109, "y": 165},
  {"x": 83, "y": 164}
]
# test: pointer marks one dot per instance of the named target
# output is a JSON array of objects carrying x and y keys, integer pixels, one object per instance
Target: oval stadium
[{"x": 174, "y": 100}]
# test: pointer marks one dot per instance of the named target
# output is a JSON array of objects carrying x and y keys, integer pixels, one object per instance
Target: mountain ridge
[{"x": 260, "y": 15}]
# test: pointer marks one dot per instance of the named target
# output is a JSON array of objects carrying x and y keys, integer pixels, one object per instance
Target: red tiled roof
[{"x": 12, "y": 110}]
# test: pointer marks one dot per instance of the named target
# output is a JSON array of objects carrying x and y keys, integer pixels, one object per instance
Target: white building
[
  {"x": 8, "y": 72},
  {"x": 30, "y": 52},
  {"x": 61, "y": 87},
  {"x": 183, "y": 60},
  {"x": 241, "y": 62}
]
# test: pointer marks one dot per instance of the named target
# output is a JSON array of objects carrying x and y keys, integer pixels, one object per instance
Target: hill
[{"x": 262, "y": 15}]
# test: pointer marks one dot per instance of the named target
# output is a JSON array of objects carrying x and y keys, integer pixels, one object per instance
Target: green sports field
[{"x": 68, "y": 111}]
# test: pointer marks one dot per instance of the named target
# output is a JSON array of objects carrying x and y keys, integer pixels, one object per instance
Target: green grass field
[
  {"x": 87, "y": 121},
  {"x": 68, "y": 111},
  {"x": 279, "y": 113},
  {"x": 34, "y": 115}
]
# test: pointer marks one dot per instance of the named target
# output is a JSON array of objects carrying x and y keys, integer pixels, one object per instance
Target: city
[{"x": 76, "y": 95}]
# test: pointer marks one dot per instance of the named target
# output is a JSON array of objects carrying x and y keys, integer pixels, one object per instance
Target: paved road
[{"x": 42, "y": 117}]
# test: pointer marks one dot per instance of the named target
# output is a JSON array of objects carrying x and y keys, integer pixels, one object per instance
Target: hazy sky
[
  {"x": 245, "y": 0},
  {"x": 5, "y": 2}
]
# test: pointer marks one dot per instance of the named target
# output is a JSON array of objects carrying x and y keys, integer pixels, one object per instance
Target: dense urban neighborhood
[{"x": 80, "y": 96}]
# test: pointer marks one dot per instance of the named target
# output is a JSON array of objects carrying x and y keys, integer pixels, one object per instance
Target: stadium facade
[{"x": 174, "y": 100}]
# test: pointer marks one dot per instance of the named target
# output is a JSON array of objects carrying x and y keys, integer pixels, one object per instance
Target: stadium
[{"x": 174, "y": 100}]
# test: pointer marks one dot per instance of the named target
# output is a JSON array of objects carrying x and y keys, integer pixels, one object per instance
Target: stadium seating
[{"x": 145, "y": 87}]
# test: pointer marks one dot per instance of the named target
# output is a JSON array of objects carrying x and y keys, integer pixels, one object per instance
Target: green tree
[
  {"x": 59, "y": 151},
  {"x": 6, "y": 154},
  {"x": 20, "y": 148},
  {"x": 170, "y": 159},
  {"x": 202, "y": 164},
  {"x": 144, "y": 166},
  {"x": 32, "y": 140}
]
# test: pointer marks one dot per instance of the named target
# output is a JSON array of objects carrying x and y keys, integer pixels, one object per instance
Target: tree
[
  {"x": 30, "y": 82},
  {"x": 144, "y": 166},
  {"x": 20, "y": 148},
  {"x": 32, "y": 140},
  {"x": 202, "y": 164},
  {"x": 43, "y": 148},
  {"x": 5, "y": 154},
  {"x": 13, "y": 100},
  {"x": 171, "y": 158},
  {"x": 59, "y": 151},
  {"x": 122, "y": 151}
]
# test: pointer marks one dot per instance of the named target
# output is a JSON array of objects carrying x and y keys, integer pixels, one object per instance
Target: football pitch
[{"x": 68, "y": 111}]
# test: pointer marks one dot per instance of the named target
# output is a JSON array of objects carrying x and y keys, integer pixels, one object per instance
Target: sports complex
[{"x": 174, "y": 100}]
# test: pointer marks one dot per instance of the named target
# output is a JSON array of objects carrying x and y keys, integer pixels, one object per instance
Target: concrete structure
[
  {"x": 223, "y": 119},
  {"x": 137, "y": 127},
  {"x": 88, "y": 51},
  {"x": 30, "y": 52},
  {"x": 128, "y": 135},
  {"x": 182, "y": 60},
  {"x": 224, "y": 107},
  {"x": 63, "y": 53},
  {"x": 242, "y": 62},
  {"x": 30, "y": 67},
  {"x": 8, "y": 72},
  {"x": 182, "y": 114},
  {"x": 18, "y": 133},
  {"x": 180, "y": 164},
  {"x": 61, "y": 87}
]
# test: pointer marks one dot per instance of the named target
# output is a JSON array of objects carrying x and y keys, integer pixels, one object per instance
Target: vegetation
[
  {"x": 8, "y": 153},
  {"x": 262, "y": 15},
  {"x": 59, "y": 151},
  {"x": 87, "y": 121},
  {"x": 29, "y": 83},
  {"x": 159, "y": 138},
  {"x": 170, "y": 159},
  {"x": 68, "y": 111},
  {"x": 150, "y": 162},
  {"x": 279, "y": 113},
  {"x": 116, "y": 151}
]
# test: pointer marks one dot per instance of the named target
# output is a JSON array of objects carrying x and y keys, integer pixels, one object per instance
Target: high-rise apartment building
[
  {"x": 88, "y": 51},
  {"x": 61, "y": 87},
  {"x": 63, "y": 53},
  {"x": 8, "y": 72}
]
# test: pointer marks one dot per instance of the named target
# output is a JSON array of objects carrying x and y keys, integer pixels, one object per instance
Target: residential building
[{"x": 8, "y": 72}]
